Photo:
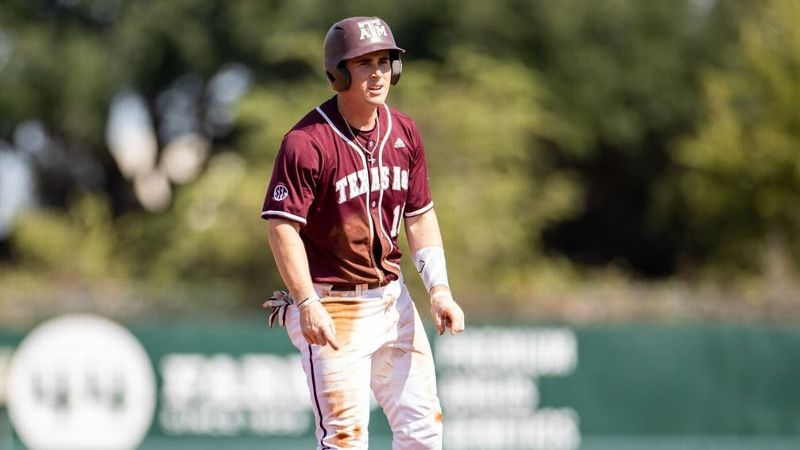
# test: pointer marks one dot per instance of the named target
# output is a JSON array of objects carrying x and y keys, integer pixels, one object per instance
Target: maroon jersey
[{"x": 349, "y": 202}]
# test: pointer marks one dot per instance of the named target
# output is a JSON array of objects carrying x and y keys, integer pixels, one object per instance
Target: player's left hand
[{"x": 446, "y": 312}]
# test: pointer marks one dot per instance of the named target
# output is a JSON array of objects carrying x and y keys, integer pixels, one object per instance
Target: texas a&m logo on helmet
[{"x": 372, "y": 29}]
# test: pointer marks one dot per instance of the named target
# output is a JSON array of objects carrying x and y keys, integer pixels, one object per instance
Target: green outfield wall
[{"x": 238, "y": 384}]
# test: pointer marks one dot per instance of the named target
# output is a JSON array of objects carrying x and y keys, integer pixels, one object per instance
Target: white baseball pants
[{"x": 383, "y": 347}]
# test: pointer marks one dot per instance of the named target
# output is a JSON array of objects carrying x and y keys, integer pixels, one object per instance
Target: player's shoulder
[{"x": 303, "y": 137}]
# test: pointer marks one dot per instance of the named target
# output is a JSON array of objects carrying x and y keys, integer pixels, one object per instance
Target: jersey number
[{"x": 396, "y": 221}]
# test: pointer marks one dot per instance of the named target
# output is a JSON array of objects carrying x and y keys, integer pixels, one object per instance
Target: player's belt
[{"x": 360, "y": 287}]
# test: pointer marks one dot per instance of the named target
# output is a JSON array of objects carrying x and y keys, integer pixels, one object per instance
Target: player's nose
[{"x": 378, "y": 70}]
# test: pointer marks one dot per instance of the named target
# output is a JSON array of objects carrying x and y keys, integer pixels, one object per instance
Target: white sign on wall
[
  {"x": 223, "y": 395},
  {"x": 81, "y": 382},
  {"x": 488, "y": 388},
  {"x": 5, "y": 359}
]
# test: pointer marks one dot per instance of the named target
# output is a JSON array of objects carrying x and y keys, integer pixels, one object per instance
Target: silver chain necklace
[{"x": 371, "y": 158}]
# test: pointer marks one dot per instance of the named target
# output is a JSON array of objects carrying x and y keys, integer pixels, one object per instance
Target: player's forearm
[
  {"x": 423, "y": 231},
  {"x": 290, "y": 257},
  {"x": 425, "y": 243}
]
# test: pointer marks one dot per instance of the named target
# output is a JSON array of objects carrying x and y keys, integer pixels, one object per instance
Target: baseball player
[{"x": 347, "y": 176}]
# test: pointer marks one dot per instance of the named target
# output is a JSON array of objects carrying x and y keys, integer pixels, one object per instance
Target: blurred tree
[
  {"x": 621, "y": 82},
  {"x": 740, "y": 172},
  {"x": 493, "y": 186},
  {"x": 79, "y": 245},
  {"x": 548, "y": 127},
  {"x": 68, "y": 65}
]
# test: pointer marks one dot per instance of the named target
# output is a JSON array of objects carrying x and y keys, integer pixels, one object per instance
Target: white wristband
[
  {"x": 431, "y": 266},
  {"x": 308, "y": 300}
]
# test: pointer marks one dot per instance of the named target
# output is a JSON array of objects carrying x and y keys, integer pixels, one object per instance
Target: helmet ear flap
[
  {"x": 340, "y": 78},
  {"x": 397, "y": 70}
]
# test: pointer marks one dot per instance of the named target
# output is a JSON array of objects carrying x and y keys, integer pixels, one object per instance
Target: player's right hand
[
  {"x": 317, "y": 326},
  {"x": 446, "y": 312}
]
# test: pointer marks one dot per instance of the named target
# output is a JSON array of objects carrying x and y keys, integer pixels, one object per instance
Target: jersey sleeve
[
  {"x": 419, "y": 198},
  {"x": 294, "y": 179}
]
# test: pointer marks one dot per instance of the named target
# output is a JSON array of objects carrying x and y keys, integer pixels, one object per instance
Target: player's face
[{"x": 370, "y": 77}]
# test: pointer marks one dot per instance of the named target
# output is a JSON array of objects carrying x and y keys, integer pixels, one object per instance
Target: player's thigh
[
  {"x": 338, "y": 383},
  {"x": 403, "y": 374}
]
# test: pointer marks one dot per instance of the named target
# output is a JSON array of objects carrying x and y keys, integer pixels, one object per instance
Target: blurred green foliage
[
  {"x": 79, "y": 244},
  {"x": 653, "y": 138},
  {"x": 741, "y": 168}
]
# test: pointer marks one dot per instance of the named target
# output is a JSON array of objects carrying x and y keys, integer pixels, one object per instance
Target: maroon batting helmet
[{"x": 356, "y": 36}]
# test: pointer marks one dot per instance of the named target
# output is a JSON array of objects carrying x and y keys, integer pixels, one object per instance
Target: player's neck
[{"x": 359, "y": 116}]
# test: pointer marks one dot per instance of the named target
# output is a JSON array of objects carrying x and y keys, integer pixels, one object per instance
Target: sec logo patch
[{"x": 280, "y": 193}]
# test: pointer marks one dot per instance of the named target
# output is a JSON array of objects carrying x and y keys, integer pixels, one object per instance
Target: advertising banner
[{"x": 83, "y": 381}]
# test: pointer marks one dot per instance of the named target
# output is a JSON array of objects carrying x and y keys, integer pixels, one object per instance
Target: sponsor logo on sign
[
  {"x": 226, "y": 395},
  {"x": 81, "y": 381},
  {"x": 280, "y": 193}
]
